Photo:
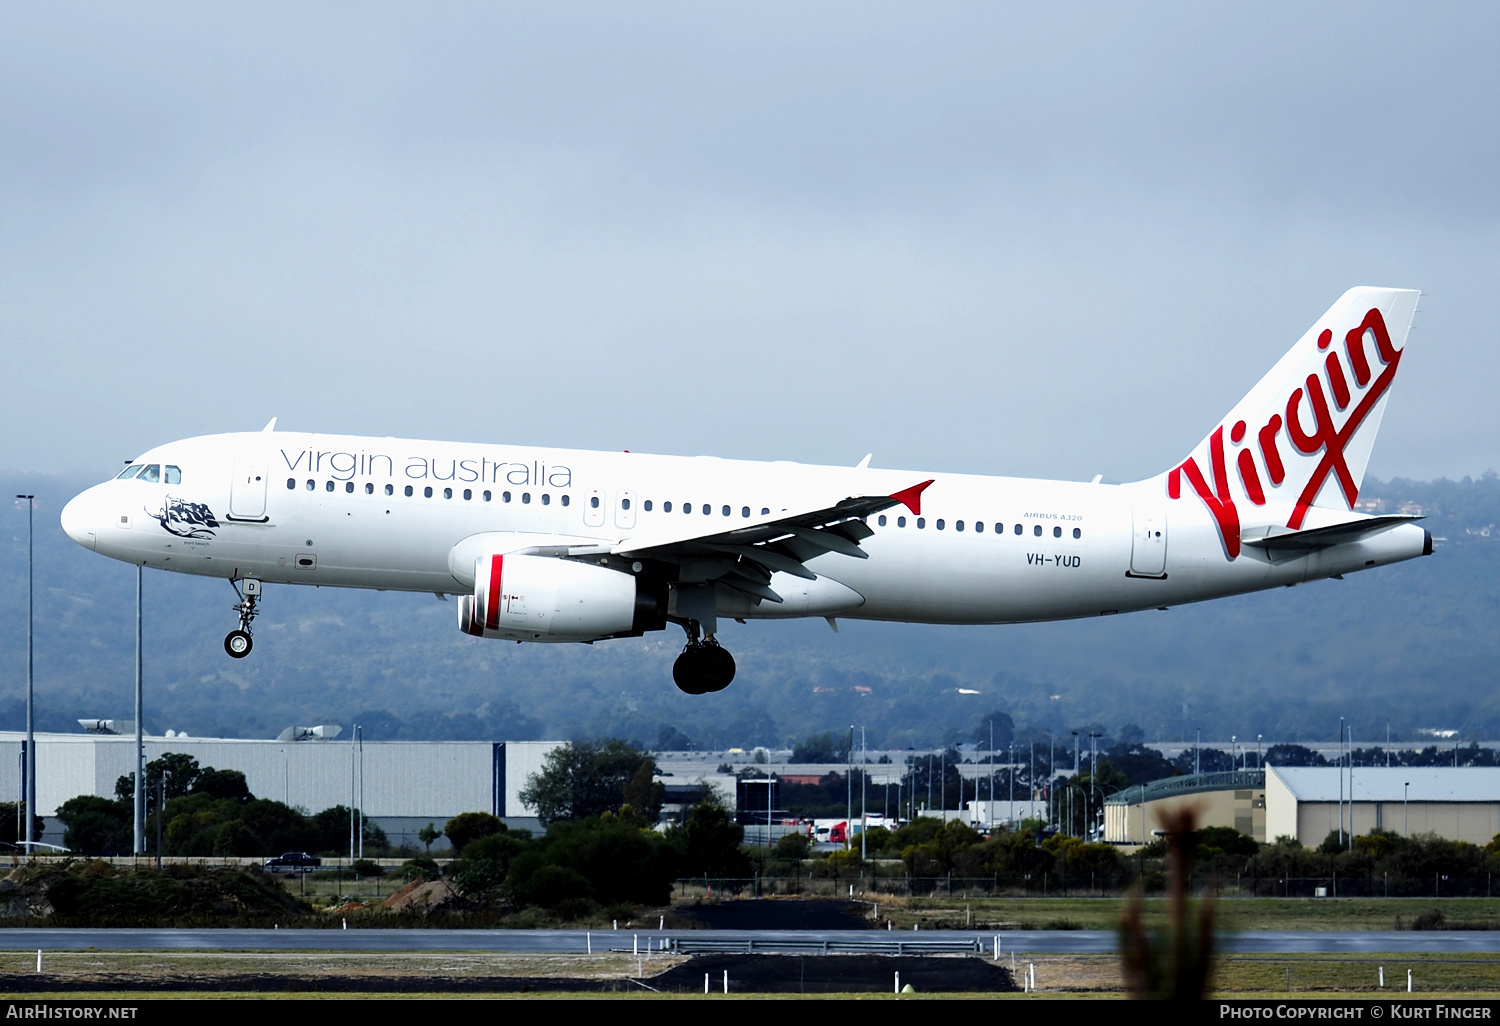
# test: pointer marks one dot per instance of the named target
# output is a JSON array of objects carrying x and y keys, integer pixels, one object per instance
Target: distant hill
[{"x": 1416, "y": 645}]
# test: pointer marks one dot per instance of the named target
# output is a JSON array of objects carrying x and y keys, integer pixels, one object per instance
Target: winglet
[{"x": 912, "y": 497}]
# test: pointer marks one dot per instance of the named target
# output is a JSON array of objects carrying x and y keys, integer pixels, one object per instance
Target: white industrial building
[
  {"x": 401, "y": 785},
  {"x": 1458, "y": 803}
]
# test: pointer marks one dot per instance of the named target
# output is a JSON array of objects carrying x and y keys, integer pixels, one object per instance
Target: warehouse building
[
  {"x": 1460, "y": 804},
  {"x": 1306, "y": 803},
  {"x": 1236, "y": 799},
  {"x": 401, "y": 785}
]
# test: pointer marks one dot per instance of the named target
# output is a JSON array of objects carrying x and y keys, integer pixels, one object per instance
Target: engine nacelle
[{"x": 542, "y": 598}]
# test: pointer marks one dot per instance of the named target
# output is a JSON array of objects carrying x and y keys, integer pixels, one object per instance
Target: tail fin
[{"x": 1302, "y": 436}]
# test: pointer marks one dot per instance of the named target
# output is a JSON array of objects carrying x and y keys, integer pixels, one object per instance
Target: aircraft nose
[{"x": 79, "y": 522}]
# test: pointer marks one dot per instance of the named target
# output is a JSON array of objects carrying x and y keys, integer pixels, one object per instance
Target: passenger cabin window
[
  {"x": 1077, "y": 533},
  {"x": 427, "y": 492},
  {"x": 1037, "y": 530},
  {"x": 1057, "y": 532},
  {"x": 881, "y": 521},
  {"x": 291, "y": 483},
  {"x": 129, "y": 471},
  {"x": 546, "y": 499},
  {"x": 151, "y": 475},
  {"x": 744, "y": 511},
  {"x": 349, "y": 487},
  {"x": 900, "y": 521},
  {"x": 939, "y": 525},
  {"x": 648, "y": 506},
  {"x": 468, "y": 494},
  {"x": 1018, "y": 528},
  {"x": 565, "y": 500},
  {"x": 390, "y": 490},
  {"x": 525, "y": 498},
  {"x": 666, "y": 507},
  {"x": 979, "y": 527},
  {"x": 958, "y": 525},
  {"x": 624, "y": 503},
  {"x": 328, "y": 486},
  {"x": 447, "y": 493},
  {"x": 312, "y": 485},
  {"x": 726, "y": 511},
  {"x": 505, "y": 496},
  {"x": 408, "y": 491},
  {"x": 486, "y": 495},
  {"x": 765, "y": 512},
  {"x": 593, "y": 502}
]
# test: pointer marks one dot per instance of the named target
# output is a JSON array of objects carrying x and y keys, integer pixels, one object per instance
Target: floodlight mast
[
  {"x": 139, "y": 840},
  {"x": 30, "y": 796}
]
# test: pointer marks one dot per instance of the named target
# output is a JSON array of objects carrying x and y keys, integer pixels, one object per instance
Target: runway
[{"x": 1078, "y": 942}]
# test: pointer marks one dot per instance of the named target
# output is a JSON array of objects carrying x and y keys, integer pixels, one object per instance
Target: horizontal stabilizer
[{"x": 1294, "y": 543}]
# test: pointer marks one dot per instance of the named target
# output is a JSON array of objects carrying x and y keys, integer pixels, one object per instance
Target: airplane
[{"x": 553, "y": 545}]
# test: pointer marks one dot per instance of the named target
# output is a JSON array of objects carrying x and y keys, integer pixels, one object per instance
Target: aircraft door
[
  {"x": 247, "y": 491},
  {"x": 593, "y": 508},
  {"x": 1148, "y": 549},
  {"x": 625, "y": 510}
]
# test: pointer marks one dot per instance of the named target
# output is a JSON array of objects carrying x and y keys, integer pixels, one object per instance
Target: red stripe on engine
[{"x": 492, "y": 609}]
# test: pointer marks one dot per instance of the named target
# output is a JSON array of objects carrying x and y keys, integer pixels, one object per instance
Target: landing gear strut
[
  {"x": 703, "y": 667},
  {"x": 238, "y": 643}
]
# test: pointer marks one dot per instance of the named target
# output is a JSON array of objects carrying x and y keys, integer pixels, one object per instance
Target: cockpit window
[
  {"x": 130, "y": 471},
  {"x": 173, "y": 475},
  {"x": 151, "y": 475}
]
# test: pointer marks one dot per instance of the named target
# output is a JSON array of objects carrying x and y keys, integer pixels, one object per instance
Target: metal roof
[
  {"x": 1379, "y": 784},
  {"x": 1192, "y": 783}
]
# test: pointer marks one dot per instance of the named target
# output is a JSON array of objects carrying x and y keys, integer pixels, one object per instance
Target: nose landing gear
[
  {"x": 703, "y": 667},
  {"x": 238, "y": 643}
]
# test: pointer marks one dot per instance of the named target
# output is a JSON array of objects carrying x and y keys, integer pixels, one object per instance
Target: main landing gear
[
  {"x": 238, "y": 643},
  {"x": 703, "y": 667}
]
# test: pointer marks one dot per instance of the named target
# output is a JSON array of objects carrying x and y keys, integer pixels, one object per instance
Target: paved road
[{"x": 577, "y": 941}]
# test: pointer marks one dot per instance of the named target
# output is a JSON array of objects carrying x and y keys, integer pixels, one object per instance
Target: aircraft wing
[{"x": 744, "y": 557}]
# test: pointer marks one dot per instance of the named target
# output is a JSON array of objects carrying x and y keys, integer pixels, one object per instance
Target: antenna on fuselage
[{"x": 270, "y": 426}]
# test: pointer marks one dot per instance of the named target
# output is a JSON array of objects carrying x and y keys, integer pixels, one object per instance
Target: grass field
[
  {"x": 1467, "y": 976},
  {"x": 1235, "y": 914}
]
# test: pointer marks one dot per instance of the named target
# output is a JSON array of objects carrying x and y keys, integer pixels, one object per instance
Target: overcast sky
[{"x": 1038, "y": 239}]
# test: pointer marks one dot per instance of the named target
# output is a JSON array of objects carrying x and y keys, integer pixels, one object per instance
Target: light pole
[
  {"x": 30, "y": 794},
  {"x": 1010, "y": 773},
  {"x": 1405, "y": 798},
  {"x": 991, "y": 816},
  {"x": 140, "y": 742}
]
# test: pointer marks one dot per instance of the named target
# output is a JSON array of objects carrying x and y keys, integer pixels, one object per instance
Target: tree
[
  {"x": 710, "y": 842},
  {"x": 585, "y": 778},
  {"x": 222, "y": 784},
  {"x": 822, "y": 748},
  {"x": 471, "y": 826},
  {"x": 428, "y": 834},
  {"x": 181, "y": 770},
  {"x": 10, "y": 822},
  {"x": 94, "y": 824},
  {"x": 1004, "y": 729}
]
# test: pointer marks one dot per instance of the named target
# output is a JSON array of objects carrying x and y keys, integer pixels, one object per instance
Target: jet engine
[{"x": 543, "y": 598}]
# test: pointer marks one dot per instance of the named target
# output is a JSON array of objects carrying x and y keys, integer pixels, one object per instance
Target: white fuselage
[{"x": 388, "y": 513}]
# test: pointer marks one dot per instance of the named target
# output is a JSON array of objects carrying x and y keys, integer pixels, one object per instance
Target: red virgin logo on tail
[{"x": 1308, "y": 402}]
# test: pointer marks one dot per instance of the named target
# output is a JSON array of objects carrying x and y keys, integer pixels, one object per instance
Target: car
[{"x": 293, "y": 862}]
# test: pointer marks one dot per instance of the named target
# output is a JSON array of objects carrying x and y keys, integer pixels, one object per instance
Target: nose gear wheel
[{"x": 238, "y": 643}]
